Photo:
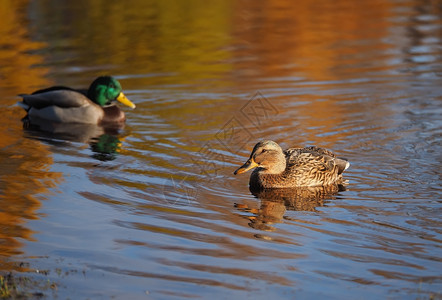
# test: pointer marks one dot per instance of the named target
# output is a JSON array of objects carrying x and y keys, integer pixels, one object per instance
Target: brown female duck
[{"x": 294, "y": 167}]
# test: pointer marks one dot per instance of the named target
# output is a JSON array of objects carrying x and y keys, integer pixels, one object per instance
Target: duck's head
[
  {"x": 106, "y": 89},
  {"x": 266, "y": 155}
]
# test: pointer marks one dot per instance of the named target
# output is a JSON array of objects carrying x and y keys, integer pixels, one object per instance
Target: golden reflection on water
[
  {"x": 17, "y": 70},
  {"x": 24, "y": 175},
  {"x": 140, "y": 38},
  {"x": 25, "y": 163},
  {"x": 306, "y": 36}
]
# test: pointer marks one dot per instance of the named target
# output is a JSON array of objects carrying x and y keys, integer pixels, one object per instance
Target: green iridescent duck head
[{"x": 106, "y": 89}]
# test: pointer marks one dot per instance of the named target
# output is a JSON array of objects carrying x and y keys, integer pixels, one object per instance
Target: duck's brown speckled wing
[
  {"x": 309, "y": 158},
  {"x": 315, "y": 157}
]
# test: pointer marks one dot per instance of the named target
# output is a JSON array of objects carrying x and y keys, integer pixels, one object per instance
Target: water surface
[{"x": 154, "y": 210}]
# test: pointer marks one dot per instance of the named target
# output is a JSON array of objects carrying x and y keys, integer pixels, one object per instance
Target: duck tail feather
[
  {"x": 23, "y": 105},
  {"x": 342, "y": 163}
]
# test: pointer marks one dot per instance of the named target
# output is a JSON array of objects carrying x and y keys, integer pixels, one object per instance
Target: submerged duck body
[
  {"x": 291, "y": 168},
  {"x": 66, "y": 105}
]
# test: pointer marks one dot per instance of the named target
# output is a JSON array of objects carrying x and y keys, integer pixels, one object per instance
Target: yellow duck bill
[
  {"x": 123, "y": 99},
  {"x": 250, "y": 164}
]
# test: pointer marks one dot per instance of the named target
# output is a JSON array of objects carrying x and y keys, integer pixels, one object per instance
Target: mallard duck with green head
[
  {"x": 67, "y": 105},
  {"x": 291, "y": 168}
]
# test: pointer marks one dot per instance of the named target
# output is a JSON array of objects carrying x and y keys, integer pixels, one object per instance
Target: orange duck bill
[
  {"x": 123, "y": 99},
  {"x": 250, "y": 164}
]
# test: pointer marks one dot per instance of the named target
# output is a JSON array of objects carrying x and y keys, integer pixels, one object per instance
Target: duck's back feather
[
  {"x": 323, "y": 158},
  {"x": 58, "y": 88},
  {"x": 91, "y": 114},
  {"x": 63, "y": 105},
  {"x": 59, "y": 98}
]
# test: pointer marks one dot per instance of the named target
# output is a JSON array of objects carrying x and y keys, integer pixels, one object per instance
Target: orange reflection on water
[
  {"x": 310, "y": 38},
  {"x": 310, "y": 45},
  {"x": 16, "y": 64},
  {"x": 25, "y": 175}
]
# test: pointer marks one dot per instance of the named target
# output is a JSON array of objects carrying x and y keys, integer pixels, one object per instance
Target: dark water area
[{"x": 153, "y": 210}]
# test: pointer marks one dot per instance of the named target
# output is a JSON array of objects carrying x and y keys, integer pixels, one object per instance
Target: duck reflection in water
[
  {"x": 104, "y": 141},
  {"x": 275, "y": 203}
]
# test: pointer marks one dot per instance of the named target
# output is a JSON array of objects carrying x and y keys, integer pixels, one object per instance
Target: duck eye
[{"x": 263, "y": 150}]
